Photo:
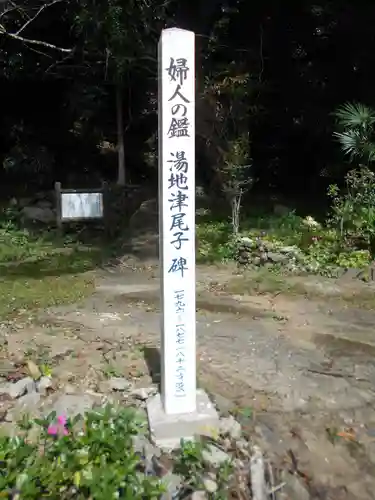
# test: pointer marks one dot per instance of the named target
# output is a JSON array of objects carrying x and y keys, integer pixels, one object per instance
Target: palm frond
[
  {"x": 351, "y": 142},
  {"x": 355, "y": 115},
  {"x": 356, "y": 144}
]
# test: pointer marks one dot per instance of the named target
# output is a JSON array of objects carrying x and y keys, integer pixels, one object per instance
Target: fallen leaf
[{"x": 348, "y": 434}]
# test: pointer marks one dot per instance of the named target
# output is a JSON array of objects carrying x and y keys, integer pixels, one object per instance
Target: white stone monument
[{"x": 180, "y": 411}]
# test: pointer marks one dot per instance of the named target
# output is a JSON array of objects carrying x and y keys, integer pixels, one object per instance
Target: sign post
[{"x": 176, "y": 134}]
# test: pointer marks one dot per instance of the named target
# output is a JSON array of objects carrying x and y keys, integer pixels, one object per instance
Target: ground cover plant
[
  {"x": 321, "y": 248},
  {"x": 38, "y": 270},
  {"x": 77, "y": 458},
  {"x": 93, "y": 457}
]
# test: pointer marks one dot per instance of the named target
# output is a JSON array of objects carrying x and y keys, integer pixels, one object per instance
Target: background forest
[{"x": 284, "y": 117}]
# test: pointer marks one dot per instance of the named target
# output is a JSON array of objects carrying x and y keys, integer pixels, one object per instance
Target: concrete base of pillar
[{"x": 166, "y": 431}]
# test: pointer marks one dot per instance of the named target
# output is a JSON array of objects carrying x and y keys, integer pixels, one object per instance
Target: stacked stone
[
  {"x": 244, "y": 251},
  {"x": 259, "y": 253}
]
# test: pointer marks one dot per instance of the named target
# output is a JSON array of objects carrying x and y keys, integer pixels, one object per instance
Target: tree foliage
[
  {"x": 301, "y": 61},
  {"x": 356, "y": 136}
]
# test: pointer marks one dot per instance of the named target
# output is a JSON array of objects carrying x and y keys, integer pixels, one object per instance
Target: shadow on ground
[{"x": 153, "y": 361}]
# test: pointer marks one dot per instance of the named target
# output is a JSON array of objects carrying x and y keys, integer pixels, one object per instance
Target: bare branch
[
  {"x": 28, "y": 41},
  {"x": 41, "y": 43},
  {"x": 42, "y": 8},
  {"x": 39, "y": 52},
  {"x": 11, "y": 9},
  {"x": 56, "y": 63}
]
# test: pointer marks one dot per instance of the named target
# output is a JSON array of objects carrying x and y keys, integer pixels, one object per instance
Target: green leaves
[
  {"x": 355, "y": 115},
  {"x": 95, "y": 460},
  {"x": 354, "y": 209},
  {"x": 356, "y": 135},
  {"x": 121, "y": 35}
]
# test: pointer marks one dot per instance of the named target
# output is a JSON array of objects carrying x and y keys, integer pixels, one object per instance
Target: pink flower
[
  {"x": 61, "y": 420},
  {"x": 58, "y": 429}
]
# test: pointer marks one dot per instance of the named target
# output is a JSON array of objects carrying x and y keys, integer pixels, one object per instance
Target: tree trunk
[
  {"x": 120, "y": 136},
  {"x": 236, "y": 208}
]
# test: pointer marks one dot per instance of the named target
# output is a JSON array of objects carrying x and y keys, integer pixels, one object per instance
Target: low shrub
[
  {"x": 317, "y": 249},
  {"x": 17, "y": 244},
  {"x": 354, "y": 208},
  {"x": 215, "y": 242},
  {"x": 84, "y": 458}
]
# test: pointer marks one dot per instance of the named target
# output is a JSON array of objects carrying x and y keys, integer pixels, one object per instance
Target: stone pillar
[{"x": 180, "y": 411}]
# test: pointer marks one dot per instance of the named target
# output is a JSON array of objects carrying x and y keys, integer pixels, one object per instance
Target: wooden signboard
[{"x": 80, "y": 204}]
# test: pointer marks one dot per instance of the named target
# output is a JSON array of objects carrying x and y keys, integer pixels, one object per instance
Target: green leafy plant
[
  {"x": 190, "y": 464},
  {"x": 215, "y": 242},
  {"x": 236, "y": 177},
  {"x": 318, "y": 248},
  {"x": 354, "y": 208},
  {"x": 355, "y": 122},
  {"x": 227, "y": 95},
  {"x": 89, "y": 458},
  {"x": 356, "y": 259}
]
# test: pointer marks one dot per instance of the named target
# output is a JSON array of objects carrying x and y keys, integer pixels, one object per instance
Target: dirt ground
[{"x": 297, "y": 369}]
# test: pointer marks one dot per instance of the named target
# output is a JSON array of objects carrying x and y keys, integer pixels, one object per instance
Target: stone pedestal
[{"x": 167, "y": 430}]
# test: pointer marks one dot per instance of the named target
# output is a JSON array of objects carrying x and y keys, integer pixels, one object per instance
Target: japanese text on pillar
[{"x": 178, "y": 186}]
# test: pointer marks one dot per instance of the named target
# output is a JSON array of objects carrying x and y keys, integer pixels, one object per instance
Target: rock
[
  {"x": 226, "y": 443},
  {"x": 210, "y": 485},
  {"x": 199, "y": 191},
  {"x": 214, "y": 456},
  {"x": 44, "y": 384},
  {"x": 69, "y": 389},
  {"x": 144, "y": 447},
  {"x": 244, "y": 261},
  {"x": 73, "y": 404},
  {"x": 243, "y": 445},
  {"x": 26, "y": 405},
  {"x": 23, "y": 202},
  {"x": 21, "y": 387},
  {"x": 246, "y": 243},
  {"x": 352, "y": 273},
  {"x": 146, "y": 216},
  {"x": 38, "y": 214},
  {"x": 44, "y": 204},
  {"x": 294, "y": 250},
  {"x": 173, "y": 484},
  {"x": 229, "y": 426},
  {"x": 161, "y": 465},
  {"x": 143, "y": 393},
  {"x": 223, "y": 404},
  {"x": 271, "y": 439},
  {"x": 294, "y": 488},
  {"x": 119, "y": 384},
  {"x": 3, "y": 338},
  {"x": 277, "y": 258},
  {"x": 263, "y": 253},
  {"x": 200, "y": 212},
  {"x": 198, "y": 495}
]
